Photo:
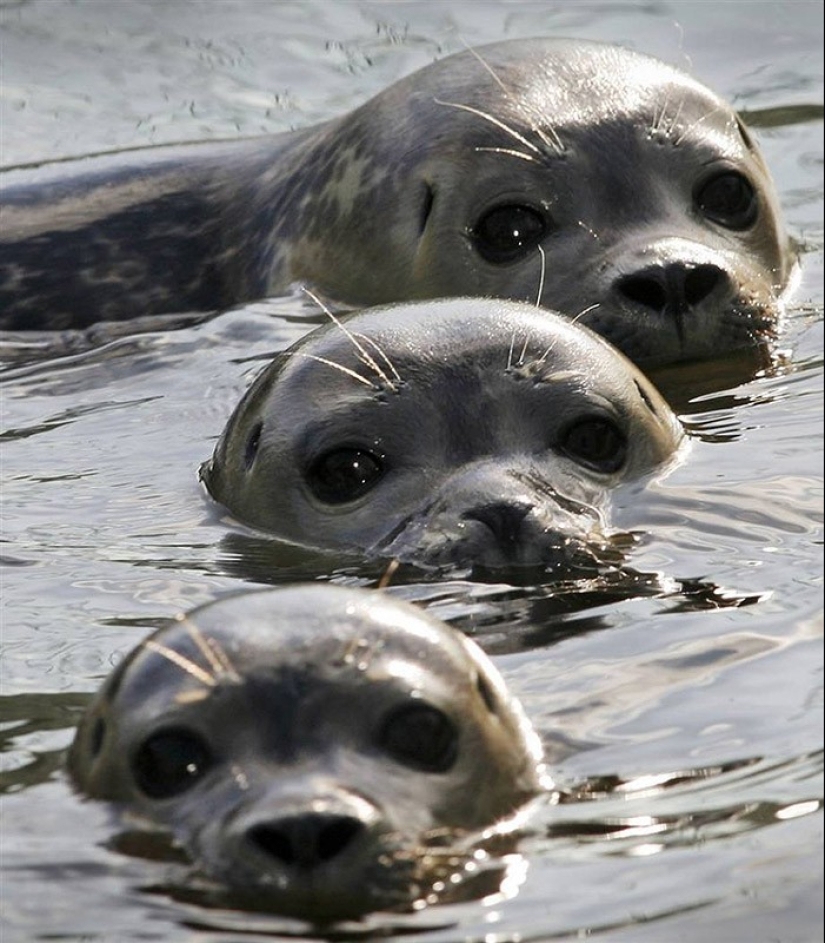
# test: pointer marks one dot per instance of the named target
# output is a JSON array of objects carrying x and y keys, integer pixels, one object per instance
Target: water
[{"x": 684, "y": 726}]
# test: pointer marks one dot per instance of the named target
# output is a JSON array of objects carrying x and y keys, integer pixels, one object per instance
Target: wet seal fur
[
  {"x": 321, "y": 751},
  {"x": 462, "y": 433},
  {"x": 640, "y": 188}
]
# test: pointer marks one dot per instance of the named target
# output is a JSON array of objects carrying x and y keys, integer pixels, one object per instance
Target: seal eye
[
  {"x": 420, "y": 736},
  {"x": 597, "y": 443},
  {"x": 169, "y": 762},
  {"x": 506, "y": 233},
  {"x": 343, "y": 475},
  {"x": 728, "y": 199}
]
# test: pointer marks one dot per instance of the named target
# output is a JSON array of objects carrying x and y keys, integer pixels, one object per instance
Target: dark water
[{"x": 684, "y": 719}]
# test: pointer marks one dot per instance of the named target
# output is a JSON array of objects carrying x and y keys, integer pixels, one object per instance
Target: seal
[
  {"x": 449, "y": 434},
  {"x": 636, "y": 189},
  {"x": 319, "y": 751}
]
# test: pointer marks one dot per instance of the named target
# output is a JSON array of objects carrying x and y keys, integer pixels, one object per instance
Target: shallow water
[{"x": 683, "y": 719}]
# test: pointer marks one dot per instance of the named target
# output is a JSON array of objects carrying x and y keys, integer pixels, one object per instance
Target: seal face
[
  {"x": 617, "y": 189},
  {"x": 456, "y": 433},
  {"x": 310, "y": 747}
]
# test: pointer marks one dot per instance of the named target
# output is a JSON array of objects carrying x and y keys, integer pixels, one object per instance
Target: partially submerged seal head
[
  {"x": 316, "y": 749},
  {"x": 451, "y": 434}
]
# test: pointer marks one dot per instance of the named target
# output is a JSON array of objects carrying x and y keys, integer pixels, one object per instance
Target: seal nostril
[
  {"x": 308, "y": 840},
  {"x": 502, "y": 517},
  {"x": 646, "y": 290},
  {"x": 671, "y": 287},
  {"x": 700, "y": 282}
]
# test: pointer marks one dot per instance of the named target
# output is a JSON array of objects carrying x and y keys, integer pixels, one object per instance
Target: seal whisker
[
  {"x": 212, "y": 651},
  {"x": 336, "y": 366},
  {"x": 363, "y": 353},
  {"x": 542, "y": 275},
  {"x": 545, "y": 355},
  {"x": 585, "y": 311},
  {"x": 510, "y": 353},
  {"x": 523, "y": 353},
  {"x": 659, "y": 115},
  {"x": 550, "y": 139},
  {"x": 507, "y": 150},
  {"x": 182, "y": 662},
  {"x": 696, "y": 123},
  {"x": 675, "y": 122},
  {"x": 493, "y": 120},
  {"x": 380, "y": 353}
]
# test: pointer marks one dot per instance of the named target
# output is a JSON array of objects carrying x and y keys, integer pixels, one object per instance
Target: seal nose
[
  {"x": 504, "y": 518},
  {"x": 674, "y": 287},
  {"x": 306, "y": 840}
]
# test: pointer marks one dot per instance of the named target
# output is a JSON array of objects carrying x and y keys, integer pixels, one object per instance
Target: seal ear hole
[
  {"x": 343, "y": 475},
  {"x": 421, "y": 737},
  {"x": 745, "y": 134},
  {"x": 252, "y": 442},
  {"x": 426, "y": 207},
  {"x": 486, "y": 693},
  {"x": 645, "y": 398},
  {"x": 729, "y": 199},
  {"x": 595, "y": 442},
  {"x": 509, "y": 232},
  {"x": 96, "y": 736},
  {"x": 170, "y": 761}
]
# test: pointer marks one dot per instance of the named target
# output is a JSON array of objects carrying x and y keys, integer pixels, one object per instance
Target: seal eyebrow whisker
[
  {"x": 212, "y": 651},
  {"x": 657, "y": 124},
  {"x": 541, "y": 276},
  {"x": 363, "y": 353},
  {"x": 493, "y": 120},
  {"x": 507, "y": 150},
  {"x": 545, "y": 355},
  {"x": 495, "y": 76},
  {"x": 548, "y": 136},
  {"x": 510, "y": 354},
  {"x": 523, "y": 353},
  {"x": 585, "y": 311},
  {"x": 676, "y": 116},
  {"x": 182, "y": 662},
  {"x": 696, "y": 123},
  {"x": 550, "y": 139},
  {"x": 380, "y": 353},
  {"x": 336, "y": 366}
]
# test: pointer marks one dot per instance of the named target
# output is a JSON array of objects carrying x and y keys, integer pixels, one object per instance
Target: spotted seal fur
[{"x": 640, "y": 189}]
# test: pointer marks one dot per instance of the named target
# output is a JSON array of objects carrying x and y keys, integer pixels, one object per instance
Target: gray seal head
[
  {"x": 317, "y": 749},
  {"x": 448, "y": 434},
  {"x": 616, "y": 187}
]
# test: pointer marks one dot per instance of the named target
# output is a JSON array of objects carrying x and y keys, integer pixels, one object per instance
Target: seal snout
[
  {"x": 674, "y": 287},
  {"x": 504, "y": 519},
  {"x": 306, "y": 840}
]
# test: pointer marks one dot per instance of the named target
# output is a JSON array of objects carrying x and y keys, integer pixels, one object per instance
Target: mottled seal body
[
  {"x": 316, "y": 749},
  {"x": 617, "y": 187},
  {"x": 457, "y": 433}
]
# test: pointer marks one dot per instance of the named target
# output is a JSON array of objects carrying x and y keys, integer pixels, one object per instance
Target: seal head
[
  {"x": 632, "y": 194},
  {"x": 457, "y": 433},
  {"x": 318, "y": 750}
]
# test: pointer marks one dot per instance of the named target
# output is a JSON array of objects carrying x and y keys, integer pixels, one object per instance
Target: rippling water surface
[{"x": 681, "y": 706}]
